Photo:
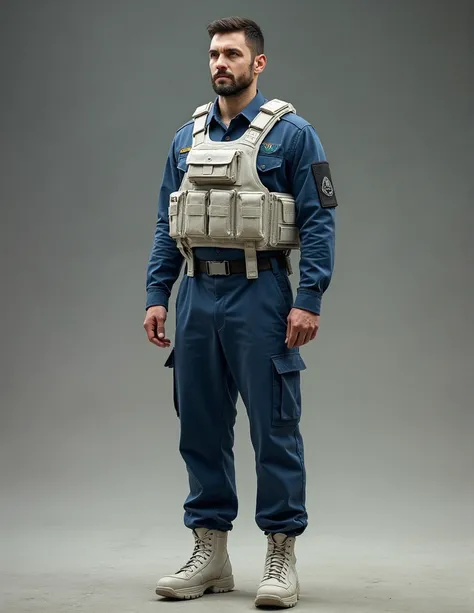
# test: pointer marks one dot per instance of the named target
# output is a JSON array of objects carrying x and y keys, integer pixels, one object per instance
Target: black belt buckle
[{"x": 218, "y": 268}]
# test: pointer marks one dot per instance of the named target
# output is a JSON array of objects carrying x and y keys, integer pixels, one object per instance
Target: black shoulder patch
[{"x": 322, "y": 177}]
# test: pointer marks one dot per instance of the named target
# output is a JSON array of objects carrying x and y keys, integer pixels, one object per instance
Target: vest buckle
[{"x": 217, "y": 268}]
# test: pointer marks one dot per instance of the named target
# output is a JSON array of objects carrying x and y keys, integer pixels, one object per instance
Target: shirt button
[
  {"x": 227, "y": 137},
  {"x": 263, "y": 165}
]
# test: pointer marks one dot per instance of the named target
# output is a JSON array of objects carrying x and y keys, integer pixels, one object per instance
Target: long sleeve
[
  {"x": 315, "y": 218},
  {"x": 165, "y": 260}
]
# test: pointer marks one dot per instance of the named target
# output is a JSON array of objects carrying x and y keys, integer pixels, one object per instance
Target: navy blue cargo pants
[{"x": 230, "y": 339}]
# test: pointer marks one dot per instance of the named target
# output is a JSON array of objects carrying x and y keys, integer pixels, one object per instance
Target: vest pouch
[
  {"x": 284, "y": 232},
  {"x": 195, "y": 213},
  {"x": 213, "y": 166},
  {"x": 221, "y": 213},
  {"x": 250, "y": 215},
  {"x": 175, "y": 213}
]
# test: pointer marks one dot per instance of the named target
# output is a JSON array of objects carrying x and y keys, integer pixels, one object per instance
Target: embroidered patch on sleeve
[
  {"x": 322, "y": 177},
  {"x": 185, "y": 149}
]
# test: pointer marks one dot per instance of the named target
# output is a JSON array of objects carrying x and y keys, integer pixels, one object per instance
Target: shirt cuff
[
  {"x": 156, "y": 297},
  {"x": 308, "y": 300}
]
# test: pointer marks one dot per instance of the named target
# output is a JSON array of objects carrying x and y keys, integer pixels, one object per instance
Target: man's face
[{"x": 231, "y": 63}]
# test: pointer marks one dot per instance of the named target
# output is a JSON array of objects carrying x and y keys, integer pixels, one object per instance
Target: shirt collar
[{"x": 249, "y": 112}]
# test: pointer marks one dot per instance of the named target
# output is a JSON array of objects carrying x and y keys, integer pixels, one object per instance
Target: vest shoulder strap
[
  {"x": 200, "y": 119},
  {"x": 270, "y": 112}
]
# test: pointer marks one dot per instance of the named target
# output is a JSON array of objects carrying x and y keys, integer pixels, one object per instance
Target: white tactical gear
[
  {"x": 221, "y": 201},
  {"x": 280, "y": 586},
  {"x": 207, "y": 570}
]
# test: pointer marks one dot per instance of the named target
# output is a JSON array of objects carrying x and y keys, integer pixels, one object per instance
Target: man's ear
[{"x": 260, "y": 62}]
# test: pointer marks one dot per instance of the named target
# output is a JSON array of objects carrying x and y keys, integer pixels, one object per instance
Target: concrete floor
[{"x": 52, "y": 569}]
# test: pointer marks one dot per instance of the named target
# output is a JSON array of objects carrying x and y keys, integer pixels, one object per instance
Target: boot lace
[
  {"x": 277, "y": 562},
  {"x": 201, "y": 553}
]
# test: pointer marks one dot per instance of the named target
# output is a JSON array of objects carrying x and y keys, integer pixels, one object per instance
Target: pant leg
[
  {"x": 267, "y": 374},
  {"x": 206, "y": 397}
]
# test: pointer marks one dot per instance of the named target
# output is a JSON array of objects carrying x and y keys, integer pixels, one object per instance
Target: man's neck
[{"x": 230, "y": 106}]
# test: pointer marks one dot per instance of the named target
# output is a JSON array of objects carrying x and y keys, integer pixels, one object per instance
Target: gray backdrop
[{"x": 92, "y": 93}]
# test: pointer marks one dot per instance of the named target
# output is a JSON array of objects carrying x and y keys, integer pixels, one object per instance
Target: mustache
[{"x": 223, "y": 74}]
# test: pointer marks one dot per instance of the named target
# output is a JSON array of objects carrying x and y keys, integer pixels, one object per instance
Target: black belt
[{"x": 230, "y": 267}]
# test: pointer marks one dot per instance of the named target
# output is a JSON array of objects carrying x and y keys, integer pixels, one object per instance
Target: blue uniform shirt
[{"x": 284, "y": 165}]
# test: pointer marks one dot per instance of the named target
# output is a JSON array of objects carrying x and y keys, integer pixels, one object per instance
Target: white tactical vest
[{"x": 221, "y": 201}]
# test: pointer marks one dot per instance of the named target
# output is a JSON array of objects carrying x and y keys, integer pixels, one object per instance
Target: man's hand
[
  {"x": 154, "y": 325},
  {"x": 302, "y": 327}
]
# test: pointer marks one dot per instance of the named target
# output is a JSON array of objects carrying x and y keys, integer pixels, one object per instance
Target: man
[{"x": 246, "y": 180}]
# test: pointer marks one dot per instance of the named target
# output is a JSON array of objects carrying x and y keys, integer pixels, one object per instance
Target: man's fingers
[
  {"x": 301, "y": 329},
  {"x": 292, "y": 337},
  {"x": 150, "y": 328},
  {"x": 160, "y": 328},
  {"x": 300, "y": 337},
  {"x": 161, "y": 340},
  {"x": 155, "y": 330},
  {"x": 291, "y": 334},
  {"x": 288, "y": 330},
  {"x": 308, "y": 334}
]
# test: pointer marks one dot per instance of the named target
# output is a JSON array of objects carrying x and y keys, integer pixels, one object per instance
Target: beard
[{"x": 235, "y": 86}]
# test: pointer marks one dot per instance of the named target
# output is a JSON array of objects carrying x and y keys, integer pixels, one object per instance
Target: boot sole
[
  {"x": 216, "y": 586},
  {"x": 276, "y": 601}
]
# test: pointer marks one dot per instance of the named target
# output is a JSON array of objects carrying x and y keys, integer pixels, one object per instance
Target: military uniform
[{"x": 231, "y": 212}]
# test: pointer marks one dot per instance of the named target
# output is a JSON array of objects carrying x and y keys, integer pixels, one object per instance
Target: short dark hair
[{"x": 253, "y": 32}]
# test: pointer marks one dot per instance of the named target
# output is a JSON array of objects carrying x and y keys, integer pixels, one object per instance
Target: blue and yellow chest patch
[{"x": 269, "y": 147}]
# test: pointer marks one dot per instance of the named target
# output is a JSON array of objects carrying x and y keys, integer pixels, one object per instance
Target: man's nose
[{"x": 221, "y": 63}]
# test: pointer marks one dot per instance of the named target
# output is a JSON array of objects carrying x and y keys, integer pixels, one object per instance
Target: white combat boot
[
  {"x": 279, "y": 586},
  {"x": 208, "y": 568}
]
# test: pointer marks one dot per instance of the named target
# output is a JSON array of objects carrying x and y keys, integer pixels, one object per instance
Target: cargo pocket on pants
[
  {"x": 170, "y": 364},
  {"x": 286, "y": 401}
]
